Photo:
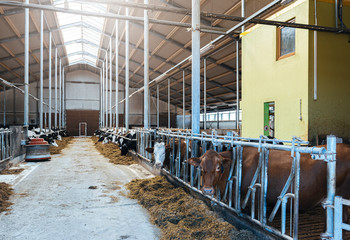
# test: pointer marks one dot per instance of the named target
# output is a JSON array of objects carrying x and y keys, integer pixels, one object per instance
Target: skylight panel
[{"x": 84, "y": 28}]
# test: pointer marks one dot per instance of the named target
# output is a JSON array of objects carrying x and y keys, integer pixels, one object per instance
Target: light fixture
[{"x": 66, "y": 4}]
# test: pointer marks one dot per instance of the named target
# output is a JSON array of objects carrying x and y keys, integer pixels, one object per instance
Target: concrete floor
[{"x": 53, "y": 201}]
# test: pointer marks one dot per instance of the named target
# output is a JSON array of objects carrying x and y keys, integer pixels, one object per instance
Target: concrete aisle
[{"x": 53, "y": 201}]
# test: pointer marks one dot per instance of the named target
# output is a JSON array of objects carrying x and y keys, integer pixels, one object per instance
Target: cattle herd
[
  {"x": 215, "y": 167},
  {"x": 48, "y": 136}
]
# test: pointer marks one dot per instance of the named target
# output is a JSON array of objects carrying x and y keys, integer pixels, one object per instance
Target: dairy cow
[{"x": 313, "y": 174}]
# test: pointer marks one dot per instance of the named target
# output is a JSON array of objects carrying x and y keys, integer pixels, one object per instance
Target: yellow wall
[
  {"x": 284, "y": 81},
  {"x": 330, "y": 113}
]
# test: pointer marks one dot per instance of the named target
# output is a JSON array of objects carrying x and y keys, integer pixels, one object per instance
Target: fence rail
[
  {"x": 287, "y": 204},
  {"x": 5, "y": 145}
]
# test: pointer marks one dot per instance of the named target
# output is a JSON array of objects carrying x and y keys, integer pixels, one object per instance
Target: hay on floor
[
  {"x": 61, "y": 145},
  {"x": 11, "y": 171},
  {"x": 179, "y": 215},
  {"x": 5, "y": 193},
  {"x": 112, "y": 152}
]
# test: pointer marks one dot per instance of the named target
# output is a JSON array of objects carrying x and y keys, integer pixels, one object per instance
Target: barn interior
[{"x": 220, "y": 75}]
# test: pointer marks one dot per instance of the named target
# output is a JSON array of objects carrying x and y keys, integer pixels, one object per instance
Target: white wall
[{"x": 82, "y": 93}]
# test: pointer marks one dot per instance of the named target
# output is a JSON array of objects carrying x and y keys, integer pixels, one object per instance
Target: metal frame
[{"x": 179, "y": 167}]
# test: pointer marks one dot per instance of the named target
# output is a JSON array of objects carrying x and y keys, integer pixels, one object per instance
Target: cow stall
[{"x": 250, "y": 203}]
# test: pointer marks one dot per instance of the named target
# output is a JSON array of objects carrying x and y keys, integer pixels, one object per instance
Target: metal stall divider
[{"x": 234, "y": 181}]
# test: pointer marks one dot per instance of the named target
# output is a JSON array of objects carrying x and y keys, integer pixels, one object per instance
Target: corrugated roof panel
[{"x": 81, "y": 33}]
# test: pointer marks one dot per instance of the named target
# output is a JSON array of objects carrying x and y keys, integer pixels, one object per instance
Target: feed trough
[{"x": 37, "y": 150}]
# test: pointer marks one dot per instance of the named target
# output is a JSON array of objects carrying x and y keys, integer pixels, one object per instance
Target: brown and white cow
[{"x": 313, "y": 174}]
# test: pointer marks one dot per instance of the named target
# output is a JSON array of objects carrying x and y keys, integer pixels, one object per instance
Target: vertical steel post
[
  {"x": 183, "y": 99},
  {"x": 100, "y": 124},
  {"x": 336, "y": 13},
  {"x": 237, "y": 84},
  {"x": 26, "y": 70},
  {"x": 63, "y": 100},
  {"x": 50, "y": 81},
  {"x": 157, "y": 106},
  {"x": 331, "y": 183},
  {"x": 168, "y": 102},
  {"x": 110, "y": 84},
  {"x": 60, "y": 97},
  {"x": 56, "y": 88},
  {"x": 243, "y": 11},
  {"x": 205, "y": 94},
  {"x": 103, "y": 94},
  {"x": 116, "y": 73},
  {"x": 146, "y": 67},
  {"x": 4, "y": 116},
  {"x": 127, "y": 71},
  {"x": 41, "y": 68},
  {"x": 106, "y": 94},
  {"x": 195, "y": 72}
]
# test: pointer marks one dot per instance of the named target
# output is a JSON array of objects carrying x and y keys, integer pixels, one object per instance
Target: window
[{"x": 285, "y": 41}]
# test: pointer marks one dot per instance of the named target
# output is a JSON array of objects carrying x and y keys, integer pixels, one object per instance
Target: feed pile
[
  {"x": 11, "y": 171},
  {"x": 112, "y": 152},
  {"x": 61, "y": 145},
  {"x": 178, "y": 215},
  {"x": 5, "y": 193}
]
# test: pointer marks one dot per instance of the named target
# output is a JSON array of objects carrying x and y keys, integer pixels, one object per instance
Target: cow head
[
  {"x": 160, "y": 152},
  {"x": 212, "y": 166},
  {"x": 124, "y": 149}
]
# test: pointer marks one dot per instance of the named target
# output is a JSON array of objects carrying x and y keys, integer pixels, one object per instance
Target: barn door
[
  {"x": 82, "y": 129},
  {"x": 269, "y": 119}
]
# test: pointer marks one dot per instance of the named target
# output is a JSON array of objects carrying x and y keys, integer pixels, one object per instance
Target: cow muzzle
[
  {"x": 208, "y": 191},
  {"x": 158, "y": 165}
]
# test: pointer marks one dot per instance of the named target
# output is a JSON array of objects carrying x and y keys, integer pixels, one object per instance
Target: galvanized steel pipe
[
  {"x": 127, "y": 71},
  {"x": 196, "y": 85},
  {"x": 146, "y": 68},
  {"x": 183, "y": 99},
  {"x": 41, "y": 67},
  {"x": 116, "y": 73},
  {"x": 50, "y": 79},
  {"x": 26, "y": 69},
  {"x": 237, "y": 84},
  {"x": 63, "y": 100},
  {"x": 110, "y": 84},
  {"x": 60, "y": 98},
  {"x": 205, "y": 94},
  {"x": 157, "y": 105},
  {"x": 168, "y": 102},
  {"x": 56, "y": 63}
]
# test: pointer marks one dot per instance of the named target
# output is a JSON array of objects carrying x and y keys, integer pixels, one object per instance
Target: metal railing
[
  {"x": 256, "y": 193},
  {"x": 5, "y": 145},
  {"x": 339, "y": 225}
]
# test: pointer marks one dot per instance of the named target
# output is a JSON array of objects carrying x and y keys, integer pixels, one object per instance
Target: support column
[
  {"x": 116, "y": 73},
  {"x": 127, "y": 71},
  {"x": 50, "y": 79},
  {"x": 14, "y": 106},
  {"x": 146, "y": 67},
  {"x": 237, "y": 84},
  {"x": 205, "y": 95},
  {"x": 100, "y": 122},
  {"x": 110, "y": 84},
  {"x": 106, "y": 94},
  {"x": 157, "y": 106},
  {"x": 63, "y": 101},
  {"x": 168, "y": 102},
  {"x": 4, "y": 116},
  {"x": 56, "y": 63},
  {"x": 41, "y": 112},
  {"x": 195, "y": 72},
  {"x": 103, "y": 95},
  {"x": 183, "y": 100},
  {"x": 26, "y": 70},
  {"x": 60, "y": 98}
]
